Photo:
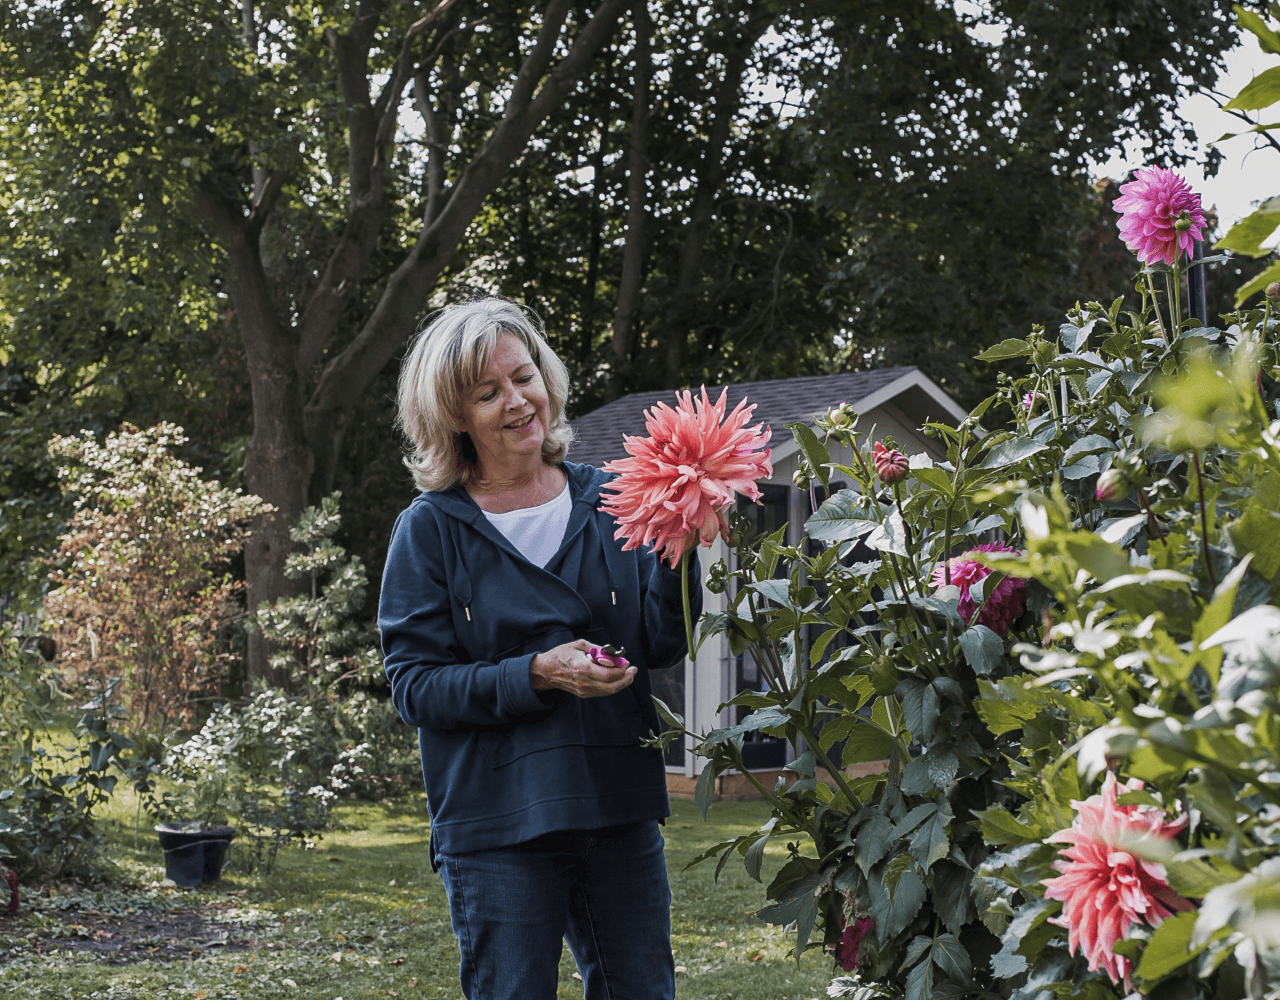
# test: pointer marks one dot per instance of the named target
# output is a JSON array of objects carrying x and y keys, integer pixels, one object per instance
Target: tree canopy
[{"x": 242, "y": 210}]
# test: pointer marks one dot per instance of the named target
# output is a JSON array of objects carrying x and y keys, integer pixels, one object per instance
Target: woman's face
[{"x": 507, "y": 412}]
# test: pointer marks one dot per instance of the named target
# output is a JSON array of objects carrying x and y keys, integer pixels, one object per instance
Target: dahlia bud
[
  {"x": 1183, "y": 222},
  {"x": 801, "y": 479},
  {"x": 1273, "y": 291},
  {"x": 1112, "y": 485},
  {"x": 890, "y": 465},
  {"x": 836, "y": 417}
]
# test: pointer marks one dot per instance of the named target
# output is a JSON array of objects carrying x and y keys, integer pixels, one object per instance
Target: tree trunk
[
  {"x": 710, "y": 171},
  {"x": 633, "y": 251}
]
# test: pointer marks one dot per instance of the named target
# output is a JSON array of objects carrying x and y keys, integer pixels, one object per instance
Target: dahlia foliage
[
  {"x": 1150, "y": 207},
  {"x": 1003, "y": 606},
  {"x": 675, "y": 487},
  {"x": 1104, "y": 887}
]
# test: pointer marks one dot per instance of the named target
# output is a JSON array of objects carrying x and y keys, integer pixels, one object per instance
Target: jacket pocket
[{"x": 614, "y": 720}]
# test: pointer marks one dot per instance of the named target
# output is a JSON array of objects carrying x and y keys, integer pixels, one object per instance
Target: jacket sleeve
[
  {"x": 664, "y": 630},
  {"x": 433, "y": 686}
]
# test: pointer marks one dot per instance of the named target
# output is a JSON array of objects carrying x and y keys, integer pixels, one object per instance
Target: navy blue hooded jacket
[{"x": 463, "y": 614}]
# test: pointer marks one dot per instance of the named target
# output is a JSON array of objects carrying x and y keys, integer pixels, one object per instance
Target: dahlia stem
[
  {"x": 1204, "y": 522},
  {"x": 1177, "y": 293},
  {"x": 1155, "y": 304},
  {"x": 1150, "y": 516},
  {"x": 684, "y": 596}
]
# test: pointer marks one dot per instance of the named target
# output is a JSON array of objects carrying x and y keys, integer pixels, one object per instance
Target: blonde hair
[{"x": 444, "y": 361}]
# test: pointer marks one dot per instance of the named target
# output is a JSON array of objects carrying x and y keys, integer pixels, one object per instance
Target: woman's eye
[
  {"x": 486, "y": 396},
  {"x": 525, "y": 379}
]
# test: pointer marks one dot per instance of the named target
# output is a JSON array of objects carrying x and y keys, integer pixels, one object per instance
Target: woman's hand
[{"x": 570, "y": 668}]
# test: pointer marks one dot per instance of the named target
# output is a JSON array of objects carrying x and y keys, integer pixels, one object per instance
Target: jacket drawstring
[{"x": 461, "y": 581}]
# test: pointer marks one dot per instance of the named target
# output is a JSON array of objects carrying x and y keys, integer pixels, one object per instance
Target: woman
[{"x": 501, "y": 578}]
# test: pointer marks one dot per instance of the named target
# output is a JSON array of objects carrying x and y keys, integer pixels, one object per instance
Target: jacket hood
[{"x": 584, "y": 487}]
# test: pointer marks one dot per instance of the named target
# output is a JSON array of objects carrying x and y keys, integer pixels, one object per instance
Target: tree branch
[{"x": 347, "y": 375}]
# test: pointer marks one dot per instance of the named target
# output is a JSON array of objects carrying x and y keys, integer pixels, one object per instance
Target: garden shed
[{"x": 889, "y": 401}]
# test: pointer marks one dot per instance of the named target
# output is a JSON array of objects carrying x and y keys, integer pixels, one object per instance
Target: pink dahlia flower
[
  {"x": 1104, "y": 889},
  {"x": 1005, "y": 604},
  {"x": 850, "y": 943},
  {"x": 1030, "y": 399},
  {"x": 674, "y": 488},
  {"x": 1150, "y": 207}
]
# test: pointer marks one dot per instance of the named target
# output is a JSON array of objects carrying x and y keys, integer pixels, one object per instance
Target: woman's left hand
[{"x": 569, "y": 667}]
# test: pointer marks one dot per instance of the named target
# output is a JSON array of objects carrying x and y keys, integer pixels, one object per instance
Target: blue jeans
[{"x": 604, "y": 890}]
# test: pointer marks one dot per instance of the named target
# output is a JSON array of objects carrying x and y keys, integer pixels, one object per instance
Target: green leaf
[
  {"x": 777, "y": 591},
  {"x": 705, "y": 790},
  {"x": 914, "y": 818},
  {"x": 890, "y": 535},
  {"x": 814, "y": 450},
  {"x": 836, "y": 520},
  {"x": 1257, "y": 284},
  {"x": 1258, "y": 531},
  {"x": 1247, "y": 19},
  {"x": 929, "y": 771},
  {"x": 1196, "y": 878},
  {"x": 920, "y": 981},
  {"x": 763, "y": 719},
  {"x": 1001, "y": 828},
  {"x": 951, "y": 894},
  {"x": 1016, "y": 449},
  {"x": 920, "y": 707},
  {"x": 1169, "y": 947},
  {"x": 1006, "y": 349},
  {"x": 934, "y": 478},
  {"x": 931, "y": 842},
  {"x": 952, "y": 958},
  {"x": 798, "y": 905},
  {"x": 1248, "y": 235},
  {"x": 983, "y": 649},
  {"x": 866, "y": 743},
  {"x": 872, "y": 842},
  {"x": 892, "y": 909},
  {"x": 668, "y": 716},
  {"x": 754, "y": 857},
  {"x": 1086, "y": 445},
  {"x": 1260, "y": 92}
]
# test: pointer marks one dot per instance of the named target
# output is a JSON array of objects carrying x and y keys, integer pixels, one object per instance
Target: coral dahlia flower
[
  {"x": 1005, "y": 604},
  {"x": 677, "y": 483},
  {"x": 1150, "y": 207},
  {"x": 1104, "y": 888}
]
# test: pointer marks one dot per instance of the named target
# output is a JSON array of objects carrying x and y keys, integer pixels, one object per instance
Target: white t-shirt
[{"x": 536, "y": 532}]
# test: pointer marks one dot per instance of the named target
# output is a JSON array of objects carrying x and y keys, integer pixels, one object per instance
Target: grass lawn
[{"x": 360, "y": 917}]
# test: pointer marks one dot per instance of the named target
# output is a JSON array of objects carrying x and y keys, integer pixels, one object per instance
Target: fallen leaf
[
  {"x": 398, "y": 961},
  {"x": 239, "y": 969},
  {"x": 681, "y": 968},
  {"x": 757, "y": 956},
  {"x": 413, "y": 981},
  {"x": 722, "y": 944},
  {"x": 336, "y": 956}
]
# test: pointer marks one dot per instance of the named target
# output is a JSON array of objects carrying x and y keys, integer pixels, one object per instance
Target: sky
[{"x": 1246, "y": 176}]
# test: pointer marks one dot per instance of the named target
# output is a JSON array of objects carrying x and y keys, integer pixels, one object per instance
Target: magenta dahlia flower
[
  {"x": 676, "y": 484},
  {"x": 850, "y": 943},
  {"x": 1150, "y": 207},
  {"x": 1005, "y": 604},
  {"x": 1104, "y": 888}
]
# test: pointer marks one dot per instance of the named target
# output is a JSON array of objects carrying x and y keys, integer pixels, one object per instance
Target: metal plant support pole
[{"x": 1197, "y": 303}]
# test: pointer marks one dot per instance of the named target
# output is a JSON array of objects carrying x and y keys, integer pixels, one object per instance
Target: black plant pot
[{"x": 193, "y": 855}]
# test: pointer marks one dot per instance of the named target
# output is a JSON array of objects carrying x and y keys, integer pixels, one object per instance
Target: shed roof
[{"x": 778, "y": 402}]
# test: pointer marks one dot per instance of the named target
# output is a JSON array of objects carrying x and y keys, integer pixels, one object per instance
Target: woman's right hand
[{"x": 569, "y": 667}]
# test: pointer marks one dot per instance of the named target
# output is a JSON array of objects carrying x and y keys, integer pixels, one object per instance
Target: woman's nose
[{"x": 513, "y": 397}]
